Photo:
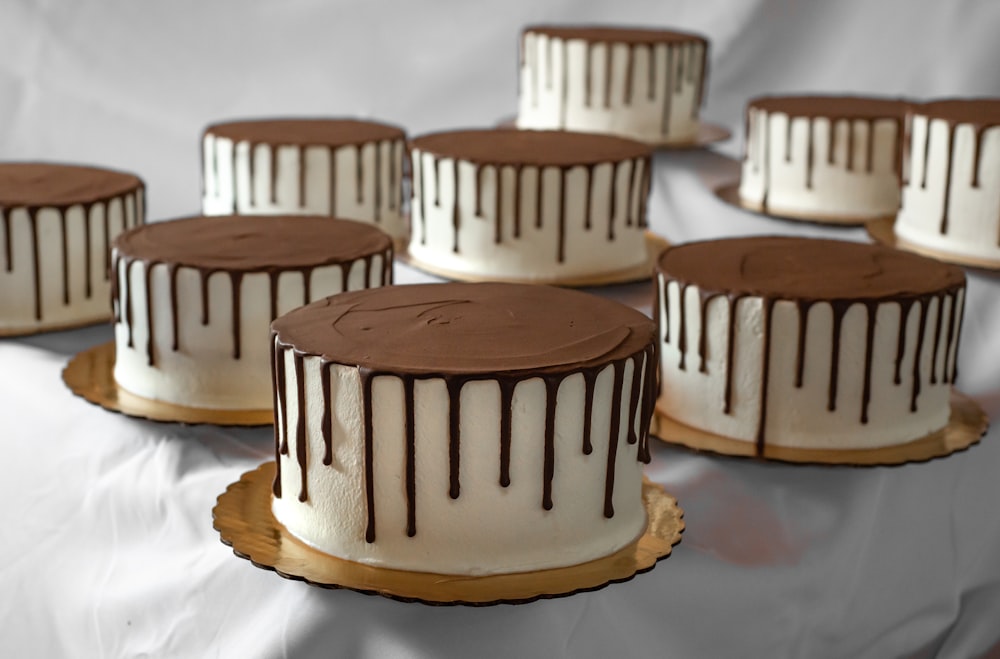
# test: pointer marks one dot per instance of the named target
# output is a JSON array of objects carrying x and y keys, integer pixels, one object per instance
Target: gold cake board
[
  {"x": 882, "y": 231},
  {"x": 730, "y": 194},
  {"x": 967, "y": 424},
  {"x": 243, "y": 518},
  {"x": 90, "y": 375},
  {"x": 55, "y": 327},
  {"x": 643, "y": 272}
]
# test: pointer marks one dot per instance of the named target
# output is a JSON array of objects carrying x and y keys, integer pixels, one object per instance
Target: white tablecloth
[{"x": 106, "y": 545}]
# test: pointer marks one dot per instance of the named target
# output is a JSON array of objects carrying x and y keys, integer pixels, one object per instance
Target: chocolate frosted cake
[
  {"x": 639, "y": 83},
  {"x": 529, "y": 205},
  {"x": 193, "y": 299},
  {"x": 825, "y": 157},
  {"x": 56, "y": 226},
  {"x": 463, "y": 428},
  {"x": 807, "y": 343},
  {"x": 951, "y": 202},
  {"x": 344, "y": 168}
]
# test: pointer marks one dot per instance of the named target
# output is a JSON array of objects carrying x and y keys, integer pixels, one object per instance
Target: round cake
[
  {"x": 463, "y": 428},
  {"x": 344, "y": 168},
  {"x": 825, "y": 157},
  {"x": 529, "y": 205},
  {"x": 193, "y": 299},
  {"x": 951, "y": 202},
  {"x": 807, "y": 343},
  {"x": 56, "y": 226},
  {"x": 640, "y": 83}
]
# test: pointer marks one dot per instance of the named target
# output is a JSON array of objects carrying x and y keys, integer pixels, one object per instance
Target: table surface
[{"x": 108, "y": 547}]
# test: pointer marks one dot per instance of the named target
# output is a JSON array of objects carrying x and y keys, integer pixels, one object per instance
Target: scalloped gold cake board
[
  {"x": 967, "y": 424},
  {"x": 708, "y": 133},
  {"x": 730, "y": 194},
  {"x": 654, "y": 246},
  {"x": 57, "y": 327},
  {"x": 882, "y": 231},
  {"x": 243, "y": 518},
  {"x": 90, "y": 375}
]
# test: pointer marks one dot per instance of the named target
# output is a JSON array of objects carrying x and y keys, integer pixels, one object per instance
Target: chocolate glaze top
[
  {"x": 978, "y": 111},
  {"x": 51, "y": 184},
  {"x": 806, "y": 269},
  {"x": 557, "y": 148},
  {"x": 609, "y": 34},
  {"x": 846, "y": 107},
  {"x": 459, "y": 328},
  {"x": 307, "y": 131},
  {"x": 251, "y": 243}
]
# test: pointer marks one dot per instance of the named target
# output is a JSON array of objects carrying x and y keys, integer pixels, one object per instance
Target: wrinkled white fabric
[{"x": 107, "y": 547}]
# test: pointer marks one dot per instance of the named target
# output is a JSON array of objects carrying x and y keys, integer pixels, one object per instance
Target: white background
[{"x": 106, "y": 544}]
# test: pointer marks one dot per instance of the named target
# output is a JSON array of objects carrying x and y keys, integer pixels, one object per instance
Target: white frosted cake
[
  {"x": 56, "y": 226},
  {"x": 640, "y": 83},
  {"x": 344, "y": 168},
  {"x": 806, "y": 343},
  {"x": 529, "y": 205},
  {"x": 833, "y": 158},
  {"x": 463, "y": 428},
  {"x": 194, "y": 298},
  {"x": 951, "y": 202}
]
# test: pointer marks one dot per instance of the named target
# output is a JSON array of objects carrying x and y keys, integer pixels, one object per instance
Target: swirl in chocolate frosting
[{"x": 460, "y": 333}]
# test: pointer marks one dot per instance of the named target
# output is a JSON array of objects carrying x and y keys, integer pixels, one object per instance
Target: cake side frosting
[
  {"x": 824, "y": 156},
  {"x": 644, "y": 84},
  {"x": 555, "y": 204},
  {"x": 951, "y": 200},
  {"x": 56, "y": 226},
  {"x": 762, "y": 343},
  {"x": 344, "y": 168},
  {"x": 191, "y": 295},
  {"x": 457, "y": 421}
]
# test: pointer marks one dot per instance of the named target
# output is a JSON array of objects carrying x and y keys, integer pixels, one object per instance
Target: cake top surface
[
  {"x": 307, "y": 131},
  {"x": 978, "y": 111},
  {"x": 862, "y": 107},
  {"x": 530, "y": 147},
  {"x": 615, "y": 34},
  {"x": 806, "y": 269},
  {"x": 51, "y": 184},
  {"x": 459, "y": 328},
  {"x": 253, "y": 242}
]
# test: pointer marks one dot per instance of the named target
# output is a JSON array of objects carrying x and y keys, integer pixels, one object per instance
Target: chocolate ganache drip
[
  {"x": 491, "y": 153},
  {"x": 235, "y": 246},
  {"x": 461, "y": 333},
  {"x": 33, "y": 188},
  {"x": 980, "y": 115},
  {"x": 686, "y": 61},
  {"x": 853, "y": 110},
  {"x": 385, "y": 142},
  {"x": 795, "y": 270}
]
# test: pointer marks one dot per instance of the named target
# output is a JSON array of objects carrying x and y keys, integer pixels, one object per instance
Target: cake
[
  {"x": 529, "y": 205},
  {"x": 951, "y": 202},
  {"x": 56, "y": 225},
  {"x": 344, "y": 168},
  {"x": 463, "y": 428},
  {"x": 193, "y": 299},
  {"x": 644, "y": 84},
  {"x": 807, "y": 343},
  {"x": 833, "y": 158}
]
